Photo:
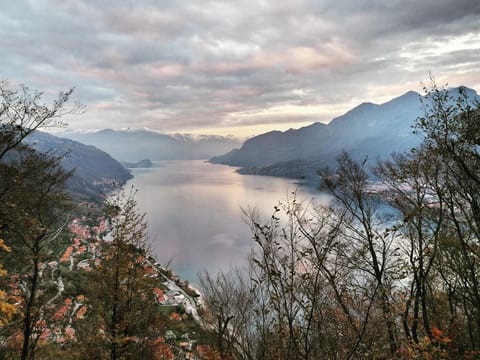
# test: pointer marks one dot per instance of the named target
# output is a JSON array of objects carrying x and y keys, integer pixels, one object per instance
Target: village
[{"x": 81, "y": 254}]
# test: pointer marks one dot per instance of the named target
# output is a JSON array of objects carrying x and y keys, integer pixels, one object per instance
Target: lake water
[{"x": 194, "y": 212}]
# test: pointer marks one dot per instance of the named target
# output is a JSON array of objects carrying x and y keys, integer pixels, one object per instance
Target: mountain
[
  {"x": 95, "y": 172},
  {"x": 368, "y": 130},
  {"x": 154, "y": 146}
]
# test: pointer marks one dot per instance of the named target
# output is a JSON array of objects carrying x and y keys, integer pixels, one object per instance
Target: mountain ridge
[
  {"x": 144, "y": 143},
  {"x": 95, "y": 173},
  {"x": 366, "y": 131}
]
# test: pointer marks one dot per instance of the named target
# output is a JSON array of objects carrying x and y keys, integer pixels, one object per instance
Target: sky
[{"x": 239, "y": 67}]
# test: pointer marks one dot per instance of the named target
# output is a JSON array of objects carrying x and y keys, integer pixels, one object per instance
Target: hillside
[
  {"x": 368, "y": 130},
  {"x": 154, "y": 146},
  {"x": 58, "y": 271},
  {"x": 95, "y": 172}
]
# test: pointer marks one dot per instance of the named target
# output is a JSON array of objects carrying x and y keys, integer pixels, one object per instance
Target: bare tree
[
  {"x": 369, "y": 243},
  {"x": 412, "y": 184},
  {"x": 230, "y": 302},
  {"x": 379, "y": 272},
  {"x": 451, "y": 133},
  {"x": 22, "y": 112}
]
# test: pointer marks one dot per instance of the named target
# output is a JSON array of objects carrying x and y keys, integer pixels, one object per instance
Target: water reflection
[{"x": 194, "y": 212}]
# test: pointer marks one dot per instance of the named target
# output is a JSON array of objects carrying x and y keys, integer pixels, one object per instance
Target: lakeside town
[{"x": 177, "y": 298}]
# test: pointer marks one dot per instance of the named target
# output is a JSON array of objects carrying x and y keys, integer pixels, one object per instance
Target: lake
[{"x": 194, "y": 212}]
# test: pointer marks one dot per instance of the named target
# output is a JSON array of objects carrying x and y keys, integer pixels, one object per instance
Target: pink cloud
[
  {"x": 304, "y": 59},
  {"x": 168, "y": 70}
]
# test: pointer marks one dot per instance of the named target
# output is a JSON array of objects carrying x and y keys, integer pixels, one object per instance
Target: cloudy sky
[{"x": 234, "y": 67}]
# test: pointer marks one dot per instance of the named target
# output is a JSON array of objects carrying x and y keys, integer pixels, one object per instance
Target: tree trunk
[{"x": 27, "y": 321}]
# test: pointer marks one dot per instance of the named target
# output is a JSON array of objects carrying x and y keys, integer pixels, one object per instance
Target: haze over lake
[{"x": 194, "y": 212}]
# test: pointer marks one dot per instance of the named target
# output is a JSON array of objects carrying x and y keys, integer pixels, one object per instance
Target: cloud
[{"x": 183, "y": 66}]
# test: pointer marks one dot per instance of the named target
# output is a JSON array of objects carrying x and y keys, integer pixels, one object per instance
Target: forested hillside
[
  {"x": 94, "y": 172},
  {"x": 76, "y": 280}
]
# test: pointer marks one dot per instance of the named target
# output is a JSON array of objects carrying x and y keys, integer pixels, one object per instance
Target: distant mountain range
[
  {"x": 135, "y": 145},
  {"x": 368, "y": 130},
  {"x": 97, "y": 170},
  {"x": 96, "y": 173}
]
